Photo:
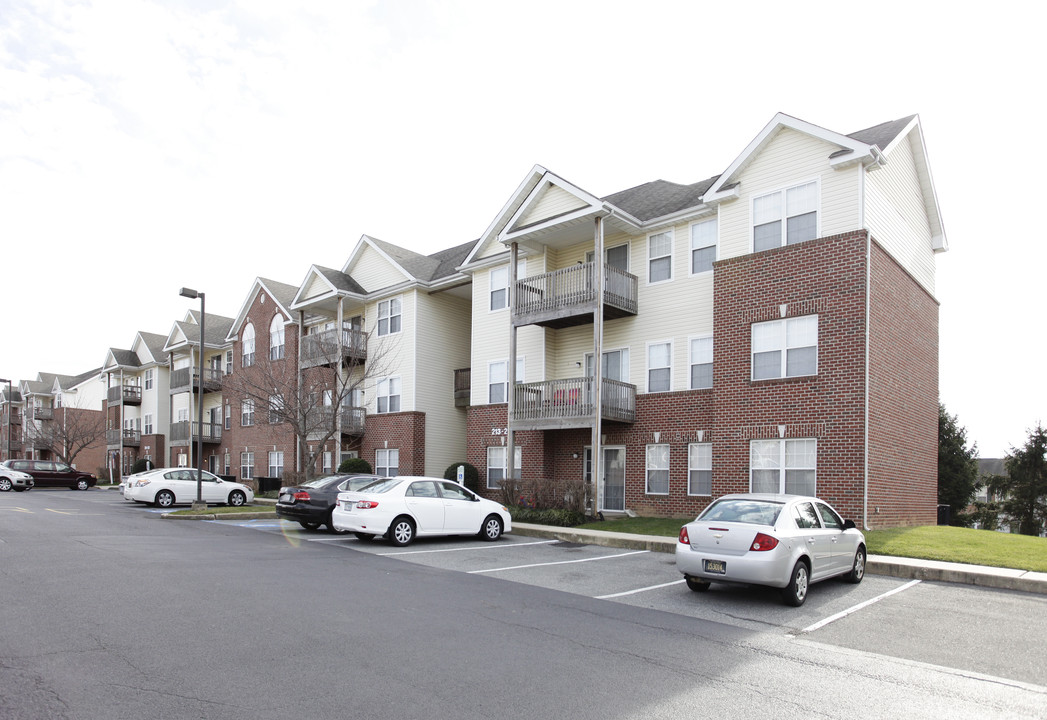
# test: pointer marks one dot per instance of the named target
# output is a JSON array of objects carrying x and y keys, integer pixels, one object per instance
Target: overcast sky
[{"x": 146, "y": 146}]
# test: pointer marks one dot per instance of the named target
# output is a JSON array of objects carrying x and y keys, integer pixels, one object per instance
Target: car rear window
[
  {"x": 752, "y": 512},
  {"x": 384, "y": 485}
]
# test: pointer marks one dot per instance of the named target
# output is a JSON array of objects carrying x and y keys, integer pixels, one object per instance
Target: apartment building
[
  {"x": 62, "y": 419},
  {"x": 771, "y": 328},
  {"x": 138, "y": 403},
  {"x": 11, "y": 419}
]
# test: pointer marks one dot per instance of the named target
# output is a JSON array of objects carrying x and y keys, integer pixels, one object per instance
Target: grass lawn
[
  {"x": 950, "y": 544},
  {"x": 224, "y": 509}
]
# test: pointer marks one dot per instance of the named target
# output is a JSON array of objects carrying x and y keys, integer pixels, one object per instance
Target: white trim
[
  {"x": 389, "y": 317},
  {"x": 783, "y": 348},
  {"x": 671, "y": 232},
  {"x": 710, "y": 469},
  {"x": 647, "y": 364},
  {"x": 667, "y": 469},
  {"x": 690, "y": 358},
  {"x": 783, "y": 191},
  {"x": 690, "y": 244}
]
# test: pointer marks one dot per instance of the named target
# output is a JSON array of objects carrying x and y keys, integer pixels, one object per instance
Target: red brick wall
[
  {"x": 903, "y": 398},
  {"x": 404, "y": 431}
]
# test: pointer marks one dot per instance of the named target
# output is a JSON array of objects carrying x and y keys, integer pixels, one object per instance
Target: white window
[
  {"x": 183, "y": 414},
  {"x": 276, "y": 464},
  {"x": 389, "y": 317},
  {"x": 614, "y": 366},
  {"x": 247, "y": 413},
  {"x": 326, "y": 462},
  {"x": 183, "y": 460},
  {"x": 700, "y": 469},
  {"x": 785, "y": 217},
  {"x": 228, "y": 366},
  {"x": 247, "y": 346},
  {"x": 496, "y": 467},
  {"x": 276, "y": 408},
  {"x": 228, "y": 460},
  {"x": 228, "y": 417},
  {"x": 657, "y": 469},
  {"x": 703, "y": 246},
  {"x": 247, "y": 465},
  {"x": 389, "y": 395},
  {"x": 499, "y": 288},
  {"x": 498, "y": 379},
  {"x": 148, "y": 424},
  {"x": 701, "y": 363},
  {"x": 276, "y": 339},
  {"x": 660, "y": 257},
  {"x": 387, "y": 462},
  {"x": 785, "y": 348},
  {"x": 659, "y": 367},
  {"x": 149, "y": 379},
  {"x": 783, "y": 466}
]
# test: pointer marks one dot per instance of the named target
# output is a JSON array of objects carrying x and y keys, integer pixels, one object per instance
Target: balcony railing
[
  {"x": 462, "y": 387},
  {"x": 15, "y": 419},
  {"x": 327, "y": 348},
  {"x": 127, "y": 438},
  {"x": 353, "y": 420},
  {"x": 127, "y": 394},
  {"x": 568, "y": 296},
  {"x": 180, "y": 379},
  {"x": 569, "y": 403},
  {"x": 43, "y": 413},
  {"x": 180, "y": 432}
]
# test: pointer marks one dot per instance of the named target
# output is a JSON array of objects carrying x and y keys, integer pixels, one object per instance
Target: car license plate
[
  {"x": 285, "y": 498},
  {"x": 715, "y": 567}
]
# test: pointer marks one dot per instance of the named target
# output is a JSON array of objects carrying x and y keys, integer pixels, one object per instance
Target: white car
[
  {"x": 16, "y": 480},
  {"x": 782, "y": 541},
  {"x": 402, "y": 508},
  {"x": 165, "y": 487}
]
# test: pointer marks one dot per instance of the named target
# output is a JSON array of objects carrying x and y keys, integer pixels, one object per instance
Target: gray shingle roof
[
  {"x": 155, "y": 343},
  {"x": 125, "y": 358},
  {"x": 659, "y": 198},
  {"x": 341, "y": 281},
  {"x": 217, "y": 329},
  {"x": 883, "y": 134},
  {"x": 281, "y": 292}
]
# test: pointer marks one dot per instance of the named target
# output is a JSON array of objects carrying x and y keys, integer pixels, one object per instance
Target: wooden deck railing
[
  {"x": 569, "y": 403},
  {"x": 568, "y": 292}
]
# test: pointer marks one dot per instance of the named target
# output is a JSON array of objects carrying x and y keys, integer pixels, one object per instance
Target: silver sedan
[{"x": 782, "y": 541}]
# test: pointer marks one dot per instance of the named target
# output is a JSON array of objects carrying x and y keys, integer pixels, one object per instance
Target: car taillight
[
  {"x": 301, "y": 495},
  {"x": 366, "y": 504},
  {"x": 684, "y": 537},
  {"x": 141, "y": 483},
  {"x": 763, "y": 543}
]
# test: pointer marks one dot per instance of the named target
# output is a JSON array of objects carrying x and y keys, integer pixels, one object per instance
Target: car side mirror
[{"x": 849, "y": 525}]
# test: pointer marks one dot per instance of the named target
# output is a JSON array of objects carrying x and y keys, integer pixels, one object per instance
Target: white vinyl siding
[{"x": 552, "y": 202}]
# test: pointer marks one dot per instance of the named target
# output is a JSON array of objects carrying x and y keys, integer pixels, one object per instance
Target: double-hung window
[
  {"x": 496, "y": 465},
  {"x": 148, "y": 429},
  {"x": 247, "y": 413},
  {"x": 149, "y": 379},
  {"x": 700, "y": 469},
  {"x": 276, "y": 464},
  {"x": 228, "y": 417},
  {"x": 389, "y": 316},
  {"x": 660, "y": 257},
  {"x": 499, "y": 288},
  {"x": 657, "y": 469},
  {"x": 659, "y": 367},
  {"x": 276, "y": 409},
  {"x": 703, "y": 246},
  {"x": 701, "y": 363},
  {"x": 389, "y": 395},
  {"x": 246, "y": 465},
  {"x": 784, "y": 466},
  {"x": 785, "y": 348},
  {"x": 785, "y": 217},
  {"x": 247, "y": 346},
  {"x": 498, "y": 379},
  {"x": 387, "y": 462},
  {"x": 276, "y": 338}
]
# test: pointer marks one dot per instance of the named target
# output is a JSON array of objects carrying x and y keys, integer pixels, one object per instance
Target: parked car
[
  {"x": 50, "y": 473},
  {"x": 165, "y": 487},
  {"x": 402, "y": 508},
  {"x": 311, "y": 503},
  {"x": 11, "y": 479},
  {"x": 782, "y": 541}
]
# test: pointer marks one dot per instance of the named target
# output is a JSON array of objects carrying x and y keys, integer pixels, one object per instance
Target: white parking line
[
  {"x": 638, "y": 590},
  {"x": 561, "y": 562},
  {"x": 856, "y": 608},
  {"x": 473, "y": 547}
]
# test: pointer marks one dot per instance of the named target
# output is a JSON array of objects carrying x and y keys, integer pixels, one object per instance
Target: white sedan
[
  {"x": 783, "y": 541},
  {"x": 402, "y": 508},
  {"x": 165, "y": 487}
]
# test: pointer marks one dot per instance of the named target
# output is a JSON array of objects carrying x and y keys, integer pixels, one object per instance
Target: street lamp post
[
  {"x": 199, "y": 503},
  {"x": 10, "y": 402}
]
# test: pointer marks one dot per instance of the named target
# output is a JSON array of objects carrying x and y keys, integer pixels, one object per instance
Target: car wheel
[
  {"x": 492, "y": 528},
  {"x": 237, "y": 498},
  {"x": 310, "y": 525},
  {"x": 796, "y": 591},
  {"x": 165, "y": 499},
  {"x": 5, "y": 484},
  {"x": 401, "y": 532},
  {"x": 695, "y": 584},
  {"x": 858, "y": 568},
  {"x": 366, "y": 537},
  {"x": 82, "y": 484}
]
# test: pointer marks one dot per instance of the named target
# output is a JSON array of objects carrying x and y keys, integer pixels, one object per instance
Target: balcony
[
  {"x": 567, "y": 297},
  {"x": 556, "y": 404},
  {"x": 43, "y": 413},
  {"x": 126, "y": 394},
  {"x": 180, "y": 379},
  {"x": 462, "y": 385},
  {"x": 126, "y": 438},
  {"x": 327, "y": 348},
  {"x": 15, "y": 419},
  {"x": 180, "y": 433},
  {"x": 353, "y": 420}
]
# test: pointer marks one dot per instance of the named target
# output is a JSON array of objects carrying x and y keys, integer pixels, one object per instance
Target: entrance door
[{"x": 612, "y": 485}]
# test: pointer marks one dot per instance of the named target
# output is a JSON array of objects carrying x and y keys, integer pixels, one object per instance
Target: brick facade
[{"x": 403, "y": 431}]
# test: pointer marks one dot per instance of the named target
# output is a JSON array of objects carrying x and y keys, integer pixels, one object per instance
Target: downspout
[{"x": 868, "y": 318}]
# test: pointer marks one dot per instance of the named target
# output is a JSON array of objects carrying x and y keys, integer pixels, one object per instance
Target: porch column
[
  {"x": 597, "y": 361},
  {"x": 510, "y": 460}
]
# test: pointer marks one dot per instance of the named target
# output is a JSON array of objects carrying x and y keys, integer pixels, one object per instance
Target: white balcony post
[
  {"x": 510, "y": 461},
  {"x": 597, "y": 361}
]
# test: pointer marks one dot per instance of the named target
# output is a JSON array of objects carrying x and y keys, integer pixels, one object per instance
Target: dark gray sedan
[{"x": 310, "y": 504}]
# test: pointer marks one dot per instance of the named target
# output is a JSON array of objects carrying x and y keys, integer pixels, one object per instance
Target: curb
[{"x": 261, "y": 515}]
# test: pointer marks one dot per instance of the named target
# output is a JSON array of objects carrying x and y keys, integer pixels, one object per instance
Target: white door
[
  {"x": 425, "y": 504},
  {"x": 611, "y": 490}
]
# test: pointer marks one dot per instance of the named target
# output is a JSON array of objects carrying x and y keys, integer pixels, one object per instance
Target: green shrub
[
  {"x": 472, "y": 475},
  {"x": 141, "y": 465},
  {"x": 355, "y": 465},
  {"x": 557, "y": 517}
]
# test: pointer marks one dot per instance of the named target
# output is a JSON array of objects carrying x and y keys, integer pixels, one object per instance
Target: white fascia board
[
  {"x": 939, "y": 240},
  {"x": 678, "y": 217},
  {"x": 234, "y": 330},
  {"x": 299, "y": 302},
  {"x": 590, "y": 202},
  {"x": 506, "y": 237},
  {"x": 510, "y": 207},
  {"x": 366, "y": 240}
]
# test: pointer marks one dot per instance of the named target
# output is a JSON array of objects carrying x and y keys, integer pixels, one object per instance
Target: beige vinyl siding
[
  {"x": 553, "y": 201},
  {"x": 316, "y": 286},
  {"x": 392, "y": 355},
  {"x": 492, "y": 248},
  {"x": 442, "y": 336},
  {"x": 896, "y": 216},
  {"x": 789, "y": 159},
  {"x": 373, "y": 271}
]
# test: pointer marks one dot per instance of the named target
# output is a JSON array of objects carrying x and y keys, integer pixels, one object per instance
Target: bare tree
[
  {"x": 72, "y": 430},
  {"x": 314, "y": 399}
]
